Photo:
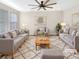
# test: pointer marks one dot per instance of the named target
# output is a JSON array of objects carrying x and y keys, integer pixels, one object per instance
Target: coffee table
[{"x": 42, "y": 41}]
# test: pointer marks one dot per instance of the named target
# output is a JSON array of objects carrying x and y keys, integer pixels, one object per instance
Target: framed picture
[{"x": 41, "y": 20}]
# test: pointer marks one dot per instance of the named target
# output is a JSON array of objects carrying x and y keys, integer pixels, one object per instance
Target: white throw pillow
[
  {"x": 14, "y": 34},
  {"x": 66, "y": 29},
  {"x": 7, "y": 35},
  {"x": 73, "y": 33},
  {"x": 77, "y": 34}
]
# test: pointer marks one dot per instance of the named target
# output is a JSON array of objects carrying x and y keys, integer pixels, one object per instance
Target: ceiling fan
[{"x": 42, "y": 4}]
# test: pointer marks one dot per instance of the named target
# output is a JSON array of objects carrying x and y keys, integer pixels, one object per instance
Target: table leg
[
  {"x": 36, "y": 46},
  {"x": 48, "y": 45},
  {"x": 12, "y": 56}
]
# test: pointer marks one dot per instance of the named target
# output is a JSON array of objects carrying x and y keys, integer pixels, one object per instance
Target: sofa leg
[
  {"x": 77, "y": 50},
  {"x": 6, "y": 57},
  {"x": 1, "y": 56},
  {"x": 12, "y": 56}
]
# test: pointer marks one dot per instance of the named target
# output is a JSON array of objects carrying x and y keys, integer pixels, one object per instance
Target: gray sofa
[
  {"x": 71, "y": 37},
  {"x": 11, "y": 41}
]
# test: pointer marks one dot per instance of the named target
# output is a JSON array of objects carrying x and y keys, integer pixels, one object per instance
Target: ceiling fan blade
[
  {"x": 39, "y": 8},
  {"x": 46, "y": 1},
  {"x": 32, "y": 5},
  {"x": 34, "y": 8},
  {"x": 37, "y": 1},
  {"x": 49, "y": 7},
  {"x": 44, "y": 8},
  {"x": 51, "y": 4}
]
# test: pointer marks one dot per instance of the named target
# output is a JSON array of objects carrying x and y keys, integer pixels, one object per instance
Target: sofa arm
[
  {"x": 77, "y": 43},
  {"x": 6, "y": 45}
]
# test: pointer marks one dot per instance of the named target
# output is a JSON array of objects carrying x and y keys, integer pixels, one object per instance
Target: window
[
  {"x": 13, "y": 21},
  {"x": 3, "y": 20}
]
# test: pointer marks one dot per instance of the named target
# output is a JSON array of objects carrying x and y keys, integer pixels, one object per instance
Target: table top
[{"x": 42, "y": 40}]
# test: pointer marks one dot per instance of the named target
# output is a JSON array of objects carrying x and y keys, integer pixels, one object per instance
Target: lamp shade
[{"x": 63, "y": 24}]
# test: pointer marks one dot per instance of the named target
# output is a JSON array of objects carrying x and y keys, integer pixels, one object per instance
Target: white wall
[
  {"x": 75, "y": 18},
  {"x": 29, "y": 19},
  {"x": 69, "y": 14}
]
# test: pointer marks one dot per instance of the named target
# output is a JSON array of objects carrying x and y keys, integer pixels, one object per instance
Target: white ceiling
[{"x": 22, "y": 5}]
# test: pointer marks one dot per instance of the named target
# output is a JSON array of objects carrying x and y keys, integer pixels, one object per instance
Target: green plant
[
  {"x": 58, "y": 27},
  {"x": 42, "y": 34}
]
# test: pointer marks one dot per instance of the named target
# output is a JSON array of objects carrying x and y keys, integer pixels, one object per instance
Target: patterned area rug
[{"x": 28, "y": 50}]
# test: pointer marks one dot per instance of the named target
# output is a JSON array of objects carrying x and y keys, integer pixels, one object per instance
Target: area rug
[{"x": 28, "y": 50}]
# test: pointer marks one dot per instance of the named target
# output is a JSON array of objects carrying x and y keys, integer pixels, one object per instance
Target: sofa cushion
[
  {"x": 18, "y": 41},
  {"x": 7, "y": 35},
  {"x": 23, "y": 35},
  {"x": 62, "y": 35},
  {"x": 68, "y": 38}
]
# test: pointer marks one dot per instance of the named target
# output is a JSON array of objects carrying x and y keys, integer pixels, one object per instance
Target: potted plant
[
  {"x": 42, "y": 34},
  {"x": 58, "y": 28}
]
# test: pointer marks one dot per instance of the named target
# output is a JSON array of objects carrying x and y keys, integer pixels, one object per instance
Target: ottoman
[{"x": 52, "y": 54}]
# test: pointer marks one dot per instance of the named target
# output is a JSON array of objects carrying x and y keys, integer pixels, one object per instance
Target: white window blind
[
  {"x": 13, "y": 21},
  {"x": 3, "y": 20}
]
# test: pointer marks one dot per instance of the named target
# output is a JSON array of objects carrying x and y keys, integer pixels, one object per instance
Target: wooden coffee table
[{"x": 42, "y": 41}]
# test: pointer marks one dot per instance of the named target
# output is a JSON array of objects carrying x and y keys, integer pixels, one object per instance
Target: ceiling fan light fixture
[{"x": 42, "y": 4}]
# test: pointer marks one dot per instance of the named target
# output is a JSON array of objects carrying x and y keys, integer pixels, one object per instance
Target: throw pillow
[
  {"x": 10, "y": 33},
  {"x": 73, "y": 33},
  {"x": 2, "y": 36},
  {"x": 77, "y": 34},
  {"x": 7, "y": 35},
  {"x": 26, "y": 31},
  {"x": 22, "y": 31},
  {"x": 18, "y": 32},
  {"x": 14, "y": 34},
  {"x": 66, "y": 30}
]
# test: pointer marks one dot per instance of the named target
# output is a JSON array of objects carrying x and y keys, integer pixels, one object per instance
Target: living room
[{"x": 39, "y": 29}]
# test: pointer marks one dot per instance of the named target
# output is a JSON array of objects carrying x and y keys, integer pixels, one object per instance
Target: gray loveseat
[
  {"x": 11, "y": 41},
  {"x": 71, "y": 37}
]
